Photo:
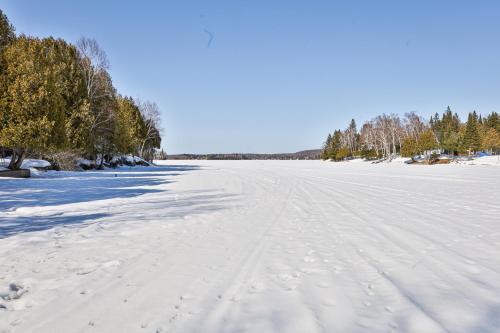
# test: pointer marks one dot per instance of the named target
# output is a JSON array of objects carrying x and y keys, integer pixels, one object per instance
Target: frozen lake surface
[{"x": 252, "y": 246}]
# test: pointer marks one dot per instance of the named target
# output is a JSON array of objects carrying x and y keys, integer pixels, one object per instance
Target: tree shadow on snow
[
  {"x": 58, "y": 188},
  {"x": 16, "y": 225},
  {"x": 79, "y": 187},
  {"x": 191, "y": 204},
  {"x": 489, "y": 323}
]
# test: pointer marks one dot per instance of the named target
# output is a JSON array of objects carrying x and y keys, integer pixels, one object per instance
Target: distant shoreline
[{"x": 313, "y": 154}]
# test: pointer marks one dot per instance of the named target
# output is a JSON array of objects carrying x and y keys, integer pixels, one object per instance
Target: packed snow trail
[{"x": 253, "y": 246}]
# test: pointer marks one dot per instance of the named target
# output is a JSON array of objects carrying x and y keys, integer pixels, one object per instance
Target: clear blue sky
[{"x": 279, "y": 75}]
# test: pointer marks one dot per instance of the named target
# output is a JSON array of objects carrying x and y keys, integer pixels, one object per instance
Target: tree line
[
  {"x": 301, "y": 155},
  {"x": 58, "y": 97},
  {"x": 386, "y": 136}
]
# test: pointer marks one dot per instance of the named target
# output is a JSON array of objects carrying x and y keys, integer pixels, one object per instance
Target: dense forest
[
  {"x": 387, "y": 136},
  {"x": 57, "y": 101}
]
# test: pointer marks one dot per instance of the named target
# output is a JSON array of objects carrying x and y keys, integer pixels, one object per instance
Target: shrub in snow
[{"x": 64, "y": 160}]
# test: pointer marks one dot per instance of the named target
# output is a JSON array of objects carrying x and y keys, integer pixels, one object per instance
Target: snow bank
[
  {"x": 396, "y": 160},
  {"x": 33, "y": 163},
  {"x": 116, "y": 161},
  {"x": 482, "y": 160},
  {"x": 129, "y": 160},
  {"x": 28, "y": 163}
]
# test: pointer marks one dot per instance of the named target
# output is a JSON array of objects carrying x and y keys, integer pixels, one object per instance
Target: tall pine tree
[
  {"x": 471, "y": 139},
  {"x": 6, "y": 31}
]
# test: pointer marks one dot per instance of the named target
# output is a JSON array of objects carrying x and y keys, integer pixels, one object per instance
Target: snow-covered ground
[
  {"x": 252, "y": 246},
  {"x": 485, "y": 160}
]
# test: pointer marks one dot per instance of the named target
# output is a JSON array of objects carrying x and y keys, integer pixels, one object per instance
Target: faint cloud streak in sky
[{"x": 210, "y": 37}]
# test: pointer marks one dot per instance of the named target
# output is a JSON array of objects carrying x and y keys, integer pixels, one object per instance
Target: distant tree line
[
  {"x": 301, "y": 155},
  {"x": 55, "y": 96},
  {"x": 386, "y": 136}
]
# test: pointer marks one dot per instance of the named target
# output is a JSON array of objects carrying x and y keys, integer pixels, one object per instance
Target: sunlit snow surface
[{"x": 252, "y": 246}]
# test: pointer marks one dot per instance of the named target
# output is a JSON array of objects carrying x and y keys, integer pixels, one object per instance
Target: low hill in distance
[{"x": 312, "y": 154}]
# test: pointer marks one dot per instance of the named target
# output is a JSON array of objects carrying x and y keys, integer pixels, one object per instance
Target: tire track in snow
[
  {"x": 368, "y": 259},
  {"x": 419, "y": 216},
  {"x": 239, "y": 283}
]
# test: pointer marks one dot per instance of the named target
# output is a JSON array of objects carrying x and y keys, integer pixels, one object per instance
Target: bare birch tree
[
  {"x": 150, "y": 139},
  {"x": 100, "y": 91},
  {"x": 93, "y": 62}
]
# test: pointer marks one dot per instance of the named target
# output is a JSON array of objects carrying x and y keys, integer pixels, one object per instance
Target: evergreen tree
[
  {"x": 342, "y": 153},
  {"x": 471, "y": 139},
  {"x": 427, "y": 141},
  {"x": 491, "y": 140},
  {"x": 449, "y": 138},
  {"x": 128, "y": 127},
  {"x": 493, "y": 121},
  {"x": 332, "y": 145},
  {"x": 336, "y": 144},
  {"x": 326, "y": 146},
  {"x": 409, "y": 147},
  {"x": 43, "y": 89},
  {"x": 7, "y": 34},
  {"x": 54, "y": 98}
]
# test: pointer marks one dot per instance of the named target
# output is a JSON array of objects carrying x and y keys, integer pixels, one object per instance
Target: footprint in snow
[
  {"x": 175, "y": 317},
  {"x": 86, "y": 269},
  {"x": 328, "y": 303},
  {"x": 473, "y": 269},
  {"x": 195, "y": 311},
  {"x": 14, "y": 291},
  {"x": 323, "y": 285},
  {"x": 111, "y": 264},
  {"x": 318, "y": 271},
  {"x": 257, "y": 287}
]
